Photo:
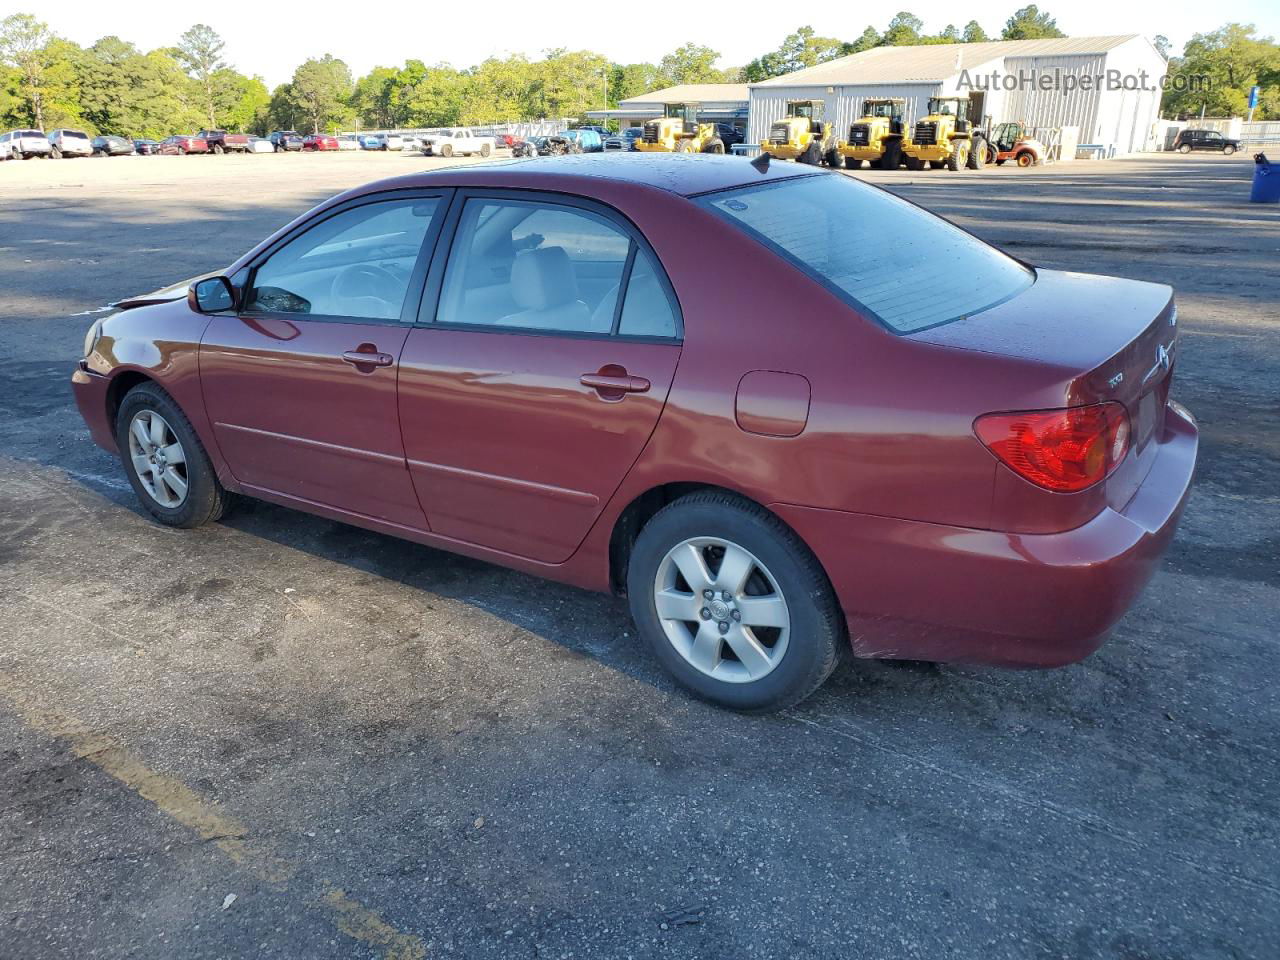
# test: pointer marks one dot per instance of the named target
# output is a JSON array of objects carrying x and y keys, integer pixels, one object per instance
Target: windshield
[{"x": 902, "y": 265}]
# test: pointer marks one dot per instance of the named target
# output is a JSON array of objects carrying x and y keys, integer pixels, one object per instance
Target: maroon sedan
[
  {"x": 181, "y": 145},
  {"x": 779, "y": 409},
  {"x": 319, "y": 141}
]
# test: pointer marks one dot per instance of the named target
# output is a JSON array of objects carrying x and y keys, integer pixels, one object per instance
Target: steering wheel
[{"x": 365, "y": 281}]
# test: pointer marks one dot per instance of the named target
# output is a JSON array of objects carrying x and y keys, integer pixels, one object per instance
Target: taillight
[{"x": 1062, "y": 450}]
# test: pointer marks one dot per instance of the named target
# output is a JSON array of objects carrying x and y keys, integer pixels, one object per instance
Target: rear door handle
[
  {"x": 614, "y": 384},
  {"x": 368, "y": 358}
]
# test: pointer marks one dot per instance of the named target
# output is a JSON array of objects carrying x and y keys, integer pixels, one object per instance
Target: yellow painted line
[{"x": 179, "y": 802}]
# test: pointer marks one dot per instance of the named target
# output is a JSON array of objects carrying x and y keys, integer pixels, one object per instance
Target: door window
[
  {"x": 535, "y": 266},
  {"x": 646, "y": 310},
  {"x": 357, "y": 263}
]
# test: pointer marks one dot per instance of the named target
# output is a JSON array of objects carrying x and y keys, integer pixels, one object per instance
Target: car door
[
  {"x": 300, "y": 384},
  {"x": 547, "y": 345}
]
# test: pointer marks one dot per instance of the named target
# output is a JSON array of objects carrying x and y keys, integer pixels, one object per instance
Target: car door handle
[
  {"x": 608, "y": 383},
  {"x": 368, "y": 358}
]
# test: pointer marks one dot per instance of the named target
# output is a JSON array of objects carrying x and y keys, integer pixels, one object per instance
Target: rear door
[
  {"x": 547, "y": 346},
  {"x": 301, "y": 384}
]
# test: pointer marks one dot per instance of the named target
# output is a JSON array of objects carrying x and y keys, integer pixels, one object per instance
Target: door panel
[
  {"x": 508, "y": 448},
  {"x": 292, "y": 416}
]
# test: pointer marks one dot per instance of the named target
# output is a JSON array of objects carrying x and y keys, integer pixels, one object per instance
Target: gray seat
[{"x": 543, "y": 284}]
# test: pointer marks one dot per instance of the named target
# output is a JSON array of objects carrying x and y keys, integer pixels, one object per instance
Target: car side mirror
[{"x": 211, "y": 295}]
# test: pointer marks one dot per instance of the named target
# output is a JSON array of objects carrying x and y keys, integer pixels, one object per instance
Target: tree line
[{"x": 47, "y": 81}]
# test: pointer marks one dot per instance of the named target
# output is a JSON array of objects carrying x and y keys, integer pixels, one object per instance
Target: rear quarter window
[{"x": 902, "y": 265}]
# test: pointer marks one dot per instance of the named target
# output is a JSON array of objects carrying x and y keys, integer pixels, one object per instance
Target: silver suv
[
  {"x": 70, "y": 143},
  {"x": 23, "y": 145}
]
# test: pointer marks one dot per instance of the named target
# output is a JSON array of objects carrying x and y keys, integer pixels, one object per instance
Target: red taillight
[{"x": 1063, "y": 450}]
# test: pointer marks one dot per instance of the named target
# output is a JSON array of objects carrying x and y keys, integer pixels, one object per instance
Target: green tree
[
  {"x": 903, "y": 30},
  {"x": 1162, "y": 45},
  {"x": 200, "y": 51},
  {"x": 569, "y": 83},
  {"x": 632, "y": 79},
  {"x": 320, "y": 89},
  {"x": 799, "y": 50},
  {"x": 1030, "y": 24},
  {"x": 973, "y": 33},
  {"x": 371, "y": 97},
  {"x": 25, "y": 47},
  {"x": 1217, "y": 70},
  {"x": 242, "y": 102},
  {"x": 690, "y": 63},
  {"x": 869, "y": 38}
]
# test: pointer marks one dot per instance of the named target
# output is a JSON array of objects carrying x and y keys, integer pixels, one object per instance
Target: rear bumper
[
  {"x": 922, "y": 591},
  {"x": 90, "y": 391}
]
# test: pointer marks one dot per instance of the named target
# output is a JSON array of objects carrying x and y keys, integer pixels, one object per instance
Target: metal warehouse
[
  {"x": 723, "y": 102},
  {"x": 1097, "y": 93}
]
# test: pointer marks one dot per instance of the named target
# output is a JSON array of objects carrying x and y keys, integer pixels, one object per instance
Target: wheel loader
[
  {"x": 678, "y": 131},
  {"x": 801, "y": 135},
  {"x": 945, "y": 137},
  {"x": 876, "y": 137}
]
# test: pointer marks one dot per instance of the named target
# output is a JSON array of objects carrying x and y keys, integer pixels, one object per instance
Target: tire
[
  {"x": 713, "y": 146},
  {"x": 812, "y": 154},
  {"x": 833, "y": 159},
  {"x": 1000, "y": 162},
  {"x": 204, "y": 499},
  {"x": 217, "y": 150},
  {"x": 1025, "y": 159},
  {"x": 1228, "y": 150},
  {"x": 446, "y": 150},
  {"x": 892, "y": 158},
  {"x": 913, "y": 163},
  {"x": 56, "y": 152},
  {"x": 1184, "y": 148},
  {"x": 485, "y": 150},
  {"x": 978, "y": 154},
  {"x": 777, "y": 564},
  {"x": 954, "y": 162}
]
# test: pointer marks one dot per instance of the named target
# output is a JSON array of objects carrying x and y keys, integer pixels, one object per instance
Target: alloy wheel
[
  {"x": 158, "y": 459},
  {"x": 721, "y": 609}
]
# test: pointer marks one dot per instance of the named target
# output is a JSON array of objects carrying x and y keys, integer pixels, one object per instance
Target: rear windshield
[
  {"x": 904, "y": 266},
  {"x": 74, "y": 135},
  {"x": 29, "y": 133}
]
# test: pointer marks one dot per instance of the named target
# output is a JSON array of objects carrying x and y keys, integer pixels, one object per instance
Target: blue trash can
[{"x": 1266, "y": 181}]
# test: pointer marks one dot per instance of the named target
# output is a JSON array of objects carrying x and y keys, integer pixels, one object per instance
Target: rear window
[
  {"x": 28, "y": 133},
  {"x": 74, "y": 135},
  {"x": 904, "y": 266}
]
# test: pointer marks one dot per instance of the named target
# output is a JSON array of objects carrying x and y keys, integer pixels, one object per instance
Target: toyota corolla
[{"x": 782, "y": 411}]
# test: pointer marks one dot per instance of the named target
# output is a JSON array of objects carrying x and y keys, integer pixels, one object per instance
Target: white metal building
[
  {"x": 725, "y": 102},
  {"x": 1106, "y": 87}
]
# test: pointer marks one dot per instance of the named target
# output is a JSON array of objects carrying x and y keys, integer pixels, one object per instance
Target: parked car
[
  {"x": 1188, "y": 140},
  {"x": 588, "y": 140},
  {"x": 370, "y": 141},
  {"x": 457, "y": 141},
  {"x": 556, "y": 145},
  {"x": 221, "y": 142},
  {"x": 729, "y": 135},
  {"x": 987, "y": 470},
  {"x": 349, "y": 141},
  {"x": 625, "y": 140},
  {"x": 285, "y": 140},
  {"x": 69, "y": 143},
  {"x": 319, "y": 142},
  {"x": 112, "y": 147},
  {"x": 145, "y": 148},
  {"x": 261, "y": 145},
  {"x": 24, "y": 144},
  {"x": 181, "y": 145}
]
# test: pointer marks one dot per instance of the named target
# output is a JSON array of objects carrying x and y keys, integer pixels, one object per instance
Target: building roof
[
  {"x": 693, "y": 93},
  {"x": 932, "y": 63}
]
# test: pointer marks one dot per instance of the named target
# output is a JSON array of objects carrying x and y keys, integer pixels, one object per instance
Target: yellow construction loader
[
  {"x": 876, "y": 137},
  {"x": 678, "y": 131},
  {"x": 945, "y": 137},
  {"x": 801, "y": 135}
]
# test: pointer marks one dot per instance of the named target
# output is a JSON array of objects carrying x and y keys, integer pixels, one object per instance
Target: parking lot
[{"x": 278, "y": 736}]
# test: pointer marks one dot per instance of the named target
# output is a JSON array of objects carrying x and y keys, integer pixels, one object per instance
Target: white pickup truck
[{"x": 457, "y": 141}]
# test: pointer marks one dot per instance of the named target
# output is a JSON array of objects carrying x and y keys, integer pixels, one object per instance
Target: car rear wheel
[
  {"x": 165, "y": 461},
  {"x": 446, "y": 150},
  {"x": 1229, "y": 149},
  {"x": 733, "y": 604},
  {"x": 485, "y": 150},
  {"x": 56, "y": 152},
  {"x": 1184, "y": 148}
]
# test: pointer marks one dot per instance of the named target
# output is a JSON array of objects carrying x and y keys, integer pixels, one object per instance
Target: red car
[
  {"x": 181, "y": 146},
  {"x": 319, "y": 141},
  {"x": 780, "y": 409}
]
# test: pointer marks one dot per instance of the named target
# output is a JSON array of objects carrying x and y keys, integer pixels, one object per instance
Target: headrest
[{"x": 543, "y": 278}]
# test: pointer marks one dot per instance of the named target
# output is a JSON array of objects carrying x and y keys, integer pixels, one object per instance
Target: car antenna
[{"x": 761, "y": 163}]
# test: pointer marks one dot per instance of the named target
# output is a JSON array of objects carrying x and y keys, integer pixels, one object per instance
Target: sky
[{"x": 271, "y": 39}]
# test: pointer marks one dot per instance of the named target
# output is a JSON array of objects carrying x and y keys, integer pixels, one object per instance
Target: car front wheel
[
  {"x": 733, "y": 604},
  {"x": 165, "y": 461}
]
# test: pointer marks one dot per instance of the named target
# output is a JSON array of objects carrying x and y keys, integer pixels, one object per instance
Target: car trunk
[{"x": 1098, "y": 339}]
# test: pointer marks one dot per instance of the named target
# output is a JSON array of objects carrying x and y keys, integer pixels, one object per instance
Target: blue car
[
  {"x": 370, "y": 141},
  {"x": 589, "y": 140}
]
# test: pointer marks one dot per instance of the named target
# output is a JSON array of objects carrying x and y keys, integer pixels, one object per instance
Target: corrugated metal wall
[{"x": 842, "y": 107}]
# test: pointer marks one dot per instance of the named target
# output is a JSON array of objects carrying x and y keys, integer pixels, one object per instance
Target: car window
[
  {"x": 903, "y": 265},
  {"x": 646, "y": 309},
  {"x": 530, "y": 265},
  {"x": 354, "y": 264}
]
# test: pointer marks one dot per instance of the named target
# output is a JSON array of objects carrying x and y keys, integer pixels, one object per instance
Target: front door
[
  {"x": 301, "y": 385},
  {"x": 540, "y": 377}
]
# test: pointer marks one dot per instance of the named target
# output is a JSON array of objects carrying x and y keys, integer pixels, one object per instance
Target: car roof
[{"x": 680, "y": 173}]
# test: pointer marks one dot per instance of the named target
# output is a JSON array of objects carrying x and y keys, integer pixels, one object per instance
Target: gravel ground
[{"x": 283, "y": 737}]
